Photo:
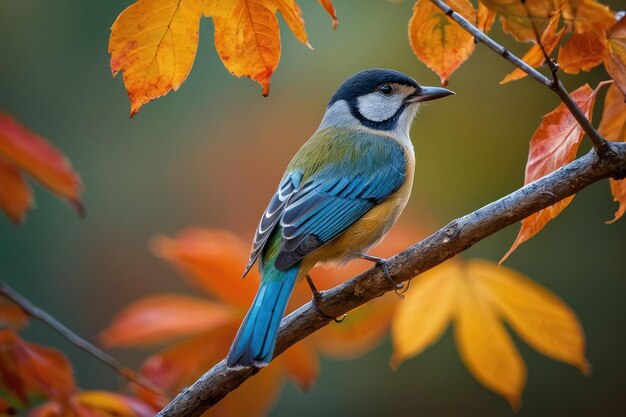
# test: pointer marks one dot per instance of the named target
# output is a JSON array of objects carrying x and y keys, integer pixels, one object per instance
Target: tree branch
[
  {"x": 39, "y": 314},
  {"x": 599, "y": 143},
  {"x": 454, "y": 238}
]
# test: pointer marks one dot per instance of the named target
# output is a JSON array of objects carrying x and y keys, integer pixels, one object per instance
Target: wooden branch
[
  {"x": 454, "y": 238},
  {"x": 39, "y": 314},
  {"x": 599, "y": 143}
]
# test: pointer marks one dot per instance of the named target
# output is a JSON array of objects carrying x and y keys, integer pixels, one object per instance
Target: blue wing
[{"x": 311, "y": 210}]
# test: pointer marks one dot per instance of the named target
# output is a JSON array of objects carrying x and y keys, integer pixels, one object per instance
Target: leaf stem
[
  {"x": 39, "y": 314},
  {"x": 599, "y": 143}
]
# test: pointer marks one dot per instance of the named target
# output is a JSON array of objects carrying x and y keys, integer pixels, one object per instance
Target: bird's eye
[{"x": 385, "y": 89}]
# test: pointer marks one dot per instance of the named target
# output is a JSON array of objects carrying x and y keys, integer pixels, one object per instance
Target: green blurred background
[{"x": 211, "y": 154}]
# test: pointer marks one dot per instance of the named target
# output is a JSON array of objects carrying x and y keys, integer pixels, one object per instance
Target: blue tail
[{"x": 255, "y": 340}]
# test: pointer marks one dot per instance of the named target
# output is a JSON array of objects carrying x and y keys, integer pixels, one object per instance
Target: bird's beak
[{"x": 428, "y": 94}]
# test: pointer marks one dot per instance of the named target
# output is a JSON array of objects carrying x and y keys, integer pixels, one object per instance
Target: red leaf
[{"x": 554, "y": 144}]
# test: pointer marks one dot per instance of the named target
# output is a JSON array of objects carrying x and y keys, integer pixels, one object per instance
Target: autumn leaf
[
  {"x": 583, "y": 51},
  {"x": 437, "y": 40},
  {"x": 302, "y": 364},
  {"x": 613, "y": 127},
  {"x": 554, "y": 144},
  {"x": 11, "y": 315},
  {"x": 330, "y": 9},
  {"x": 154, "y": 42},
  {"x": 518, "y": 18},
  {"x": 535, "y": 56},
  {"x": 588, "y": 15},
  {"x": 95, "y": 404},
  {"x": 485, "y": 18},
  {"x": 162, "y": 317},
  {"x": 27, "y": 367},
  {"x": 478, "y": 296},
  {"x": 24, "y": 152},
  {"x": 616, "y": 62}
]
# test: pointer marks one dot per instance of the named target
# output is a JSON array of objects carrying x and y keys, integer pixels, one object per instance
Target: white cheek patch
[{"x": 377, "y": 107}]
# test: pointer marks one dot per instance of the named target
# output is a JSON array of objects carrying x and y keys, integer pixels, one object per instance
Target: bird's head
[{"x": 379, "y": 99}]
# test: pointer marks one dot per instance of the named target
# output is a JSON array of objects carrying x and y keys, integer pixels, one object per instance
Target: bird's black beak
[{"x": 428, "y": 94}]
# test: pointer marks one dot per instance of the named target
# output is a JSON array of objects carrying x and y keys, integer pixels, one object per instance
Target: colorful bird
[{"x": 340, "y": 195}]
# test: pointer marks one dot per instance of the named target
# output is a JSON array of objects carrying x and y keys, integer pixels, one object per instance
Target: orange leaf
[
  {"x": 15, "y": 193},
  {"x": 437, "y": 40},
  {"x": 160, "y": 318},
  {"x": 517, "y": 17},
  {"x": 583, "y": 51},
  {"x": 613, "y": 127},
  {"x": 485, "y": 18},
  {"x": 486, "y": 348},
  {"x": 535, "y": 57},
  {"x": 301, "y": 364},
  {"x": 616, "y": 62},
  {"x": 553, "y": 145},
  {"x": 12, "y": 315},
  {"x": 588, "y": 15},
  {"x": 26, "y": 367},
  {"x": 425, "y": 312},
  {"x": 212, "y": 260},
  {"x": 182, "y": 363},
  {"x": 330, "y": 9},
  {"x": 539, "y": 317},
  {"x": 154, "y": 43},
  {"x": 34, "y": 155},
  {"x": 248, "y": 41},
  {"x": 94, "y": 404}
]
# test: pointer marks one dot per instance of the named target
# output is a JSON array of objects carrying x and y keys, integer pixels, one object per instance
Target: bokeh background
[{"x": 211, "y": 154}]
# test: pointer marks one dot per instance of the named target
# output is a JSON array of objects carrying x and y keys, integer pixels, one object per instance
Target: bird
[{"x": 339, "y": 196}]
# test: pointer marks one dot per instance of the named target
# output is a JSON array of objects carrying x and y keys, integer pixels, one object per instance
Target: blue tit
[{"x": 340, "y": 194}]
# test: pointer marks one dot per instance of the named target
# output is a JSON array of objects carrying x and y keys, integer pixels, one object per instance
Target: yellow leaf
[
  {"x": 485, "y": 17},
  {"x": 154, "y": 43},
  {"x": 425, "y": 312},
  {"x": 437, "y": 40},
  {"x": 539, "y": 317},
  {"x": 485, "y": 346},
  {"x": 330, "y": 9}
]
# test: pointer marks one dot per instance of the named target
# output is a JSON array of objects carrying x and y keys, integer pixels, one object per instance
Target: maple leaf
[
  {"x": 477, "y": 296},
  {"x": 437, "y": 40},
  {"x": 212, "y": 261},
  {"x": 27, "y": 367},
  {"x": 535, "y": 57},
  {"x": 24, "y": 152},
  {"x": 154, "y": 42},
  {"x": 583, "y": 51},
  {"x": 613, "y": 127},
  {"x": 554, "y": 144},
  {"x": 518, "y": 18},
  {"x": 615, "y": 63}
]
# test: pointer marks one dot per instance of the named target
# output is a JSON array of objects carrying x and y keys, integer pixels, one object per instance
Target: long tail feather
[{"x": 256, "y": 338}]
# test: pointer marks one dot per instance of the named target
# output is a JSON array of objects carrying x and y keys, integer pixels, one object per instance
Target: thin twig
[
  {"x": 36, "y": 312},
  {"x": 599, "y": 143},
  {"x": 447, "y": 242}
]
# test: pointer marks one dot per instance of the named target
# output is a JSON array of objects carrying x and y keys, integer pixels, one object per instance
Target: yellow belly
[{"x": 367, "y": 231}]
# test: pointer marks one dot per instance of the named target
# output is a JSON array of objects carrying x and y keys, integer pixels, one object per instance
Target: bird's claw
[
  {"x": 399, "y": 289},
  {"x": 317, "y": 298}
]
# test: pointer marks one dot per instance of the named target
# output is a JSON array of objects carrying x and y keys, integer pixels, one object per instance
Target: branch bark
[
  {"x": 599, "y": 143},
  {"x": 457, "y": 236}
]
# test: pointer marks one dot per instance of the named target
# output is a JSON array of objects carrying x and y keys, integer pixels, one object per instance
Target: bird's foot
[
  {"x": 316, "y": 300},
  {"x": 399, "y": 289}
]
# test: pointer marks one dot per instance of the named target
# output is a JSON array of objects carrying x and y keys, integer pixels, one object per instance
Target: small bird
[{"x": 340, "y": 194}]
